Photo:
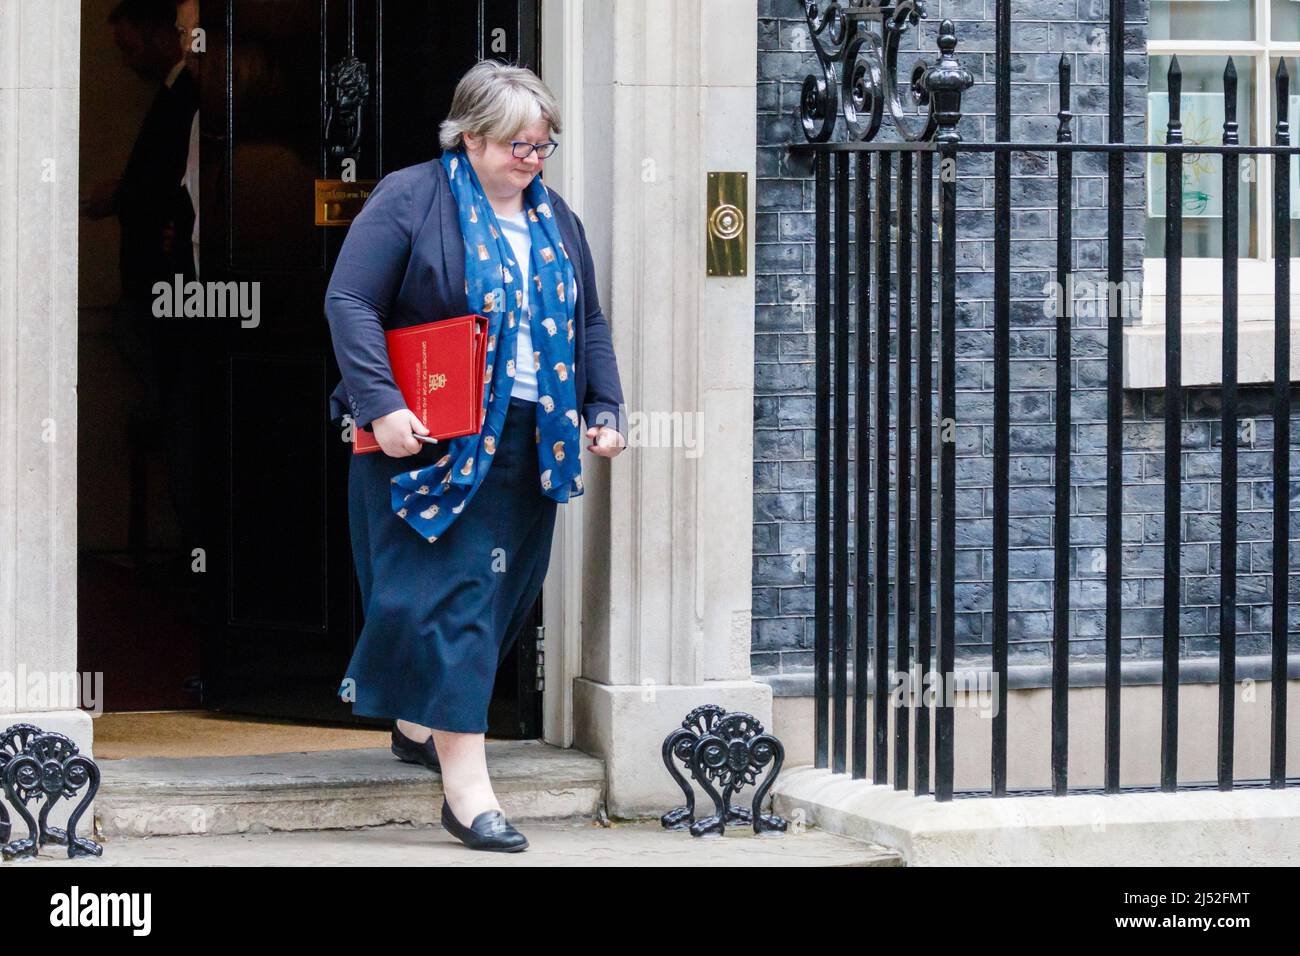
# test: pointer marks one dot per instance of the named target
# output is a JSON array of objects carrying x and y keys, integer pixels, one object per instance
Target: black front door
[{"x": 296, "y": 91}]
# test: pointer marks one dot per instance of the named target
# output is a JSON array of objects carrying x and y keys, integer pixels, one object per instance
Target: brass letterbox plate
[
  {"x": 727, "y": 228},
  {"x": 338, "y": 201}
]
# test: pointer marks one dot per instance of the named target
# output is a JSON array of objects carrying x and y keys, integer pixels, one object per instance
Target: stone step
[{"x": 329, "y": 789}]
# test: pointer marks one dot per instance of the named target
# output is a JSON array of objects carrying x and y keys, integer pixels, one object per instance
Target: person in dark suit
[
  {"x": 156, "y": 217},
  {"x": 451, "y": 541},
  {"x": 149, "y": 200}
]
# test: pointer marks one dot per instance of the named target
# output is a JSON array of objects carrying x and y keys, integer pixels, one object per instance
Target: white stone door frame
[
  {"x": 40, "y": 101},
  {"x": 661, "y": 92},
  {"x": 562, "y": 69}
]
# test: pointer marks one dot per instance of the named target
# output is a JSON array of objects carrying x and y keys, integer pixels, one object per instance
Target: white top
[
  {"x": 191, "y": 184},
  {"x": 515, "y": 229},
  {"x": 175, "y": 72}
]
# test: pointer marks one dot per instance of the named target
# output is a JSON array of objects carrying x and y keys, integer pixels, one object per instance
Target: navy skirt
[{"x": 441, "y": 616}]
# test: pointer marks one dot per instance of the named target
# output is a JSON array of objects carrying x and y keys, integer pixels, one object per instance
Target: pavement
[{"x": 568, "y": 842}]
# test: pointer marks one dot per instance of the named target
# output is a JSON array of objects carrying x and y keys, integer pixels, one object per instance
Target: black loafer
[
  {"x": 489, "y": 831},
  {"x": 408, "y": 751}
]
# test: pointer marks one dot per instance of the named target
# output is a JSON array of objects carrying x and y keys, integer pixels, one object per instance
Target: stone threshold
[
  {"x": 1245, "y": 827},
  {"x": 329, "y": 789}
]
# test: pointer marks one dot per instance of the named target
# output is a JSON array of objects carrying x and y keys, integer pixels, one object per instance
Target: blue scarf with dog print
[{"x": 429, "y": 499}]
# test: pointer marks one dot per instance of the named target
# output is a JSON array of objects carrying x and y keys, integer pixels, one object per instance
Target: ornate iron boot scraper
[
  {"x": 727, "y": 752},
  {"x": 42, "y": 767}
]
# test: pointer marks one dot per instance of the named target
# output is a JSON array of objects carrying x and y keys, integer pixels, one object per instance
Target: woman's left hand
[{"x": 606, "y": 442}]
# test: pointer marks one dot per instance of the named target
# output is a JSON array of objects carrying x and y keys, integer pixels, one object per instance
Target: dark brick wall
[{"x": 784, "y": 405}]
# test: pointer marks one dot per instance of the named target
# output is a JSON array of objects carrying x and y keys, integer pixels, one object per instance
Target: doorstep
[{"x": 329, "y": 789}]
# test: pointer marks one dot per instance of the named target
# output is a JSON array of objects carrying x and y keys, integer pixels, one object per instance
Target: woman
[{"x": 451, "y": 541}]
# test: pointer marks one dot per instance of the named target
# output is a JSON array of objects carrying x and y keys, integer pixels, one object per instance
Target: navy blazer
[{"x": 403, "y": 264}]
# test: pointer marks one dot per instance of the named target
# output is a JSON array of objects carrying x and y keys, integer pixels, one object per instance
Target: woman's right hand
[{"x": 394, "y": 433}]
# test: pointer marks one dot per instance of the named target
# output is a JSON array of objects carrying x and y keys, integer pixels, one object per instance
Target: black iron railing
[{"x": 857, "y": 47}]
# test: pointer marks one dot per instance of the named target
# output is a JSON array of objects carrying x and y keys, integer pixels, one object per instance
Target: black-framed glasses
[{"x": 522, "y": 150}]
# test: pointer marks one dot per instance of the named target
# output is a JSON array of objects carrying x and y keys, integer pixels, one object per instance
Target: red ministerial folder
[{"x": 438, "y": 367}]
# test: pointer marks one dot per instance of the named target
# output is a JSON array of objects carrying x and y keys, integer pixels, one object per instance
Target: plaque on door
[{"x": 339, "y": 201}]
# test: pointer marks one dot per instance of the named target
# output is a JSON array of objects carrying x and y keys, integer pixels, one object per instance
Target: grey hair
[{"x": 496, "y": 101}]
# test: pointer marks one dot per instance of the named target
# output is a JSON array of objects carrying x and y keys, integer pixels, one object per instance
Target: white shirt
[
  {"x": 191, "y": 184},
  {"x": 175, "y": 72},
  {"x": 515, "y": 229}
]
